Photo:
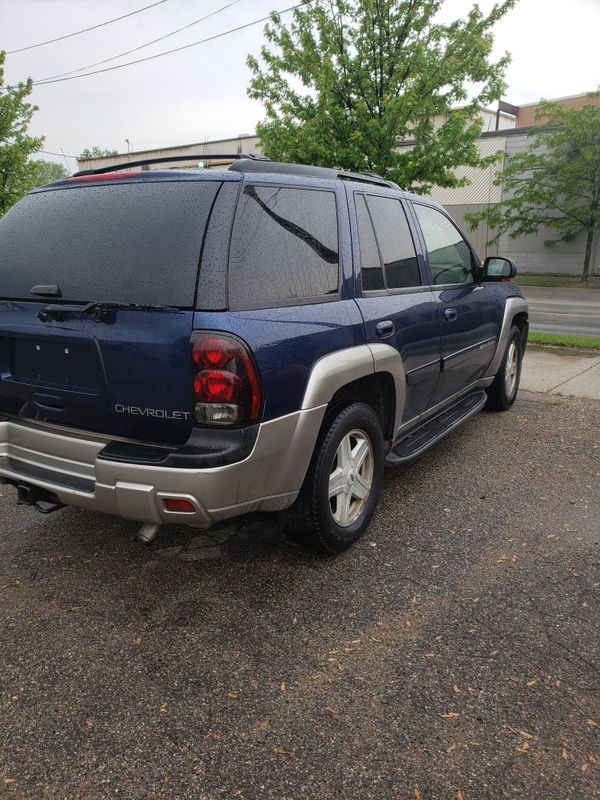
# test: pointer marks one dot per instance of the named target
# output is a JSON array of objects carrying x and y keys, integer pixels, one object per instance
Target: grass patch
[
  {"x": 564, "y": 340},
  {"x": 571, "y": 281}
]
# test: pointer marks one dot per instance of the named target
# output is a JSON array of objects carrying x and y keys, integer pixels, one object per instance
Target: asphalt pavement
[
  {"x": 453, "y": 654},
  {"x": 564, "y": 310}
]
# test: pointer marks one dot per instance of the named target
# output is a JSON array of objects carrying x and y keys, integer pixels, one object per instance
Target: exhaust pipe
[{"x": 148, "y": 533}]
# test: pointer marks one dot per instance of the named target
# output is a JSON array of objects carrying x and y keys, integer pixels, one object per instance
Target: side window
[
  {"x": 284, "y": 247},
  {"x": 449, "y": 255},
  {"x": 395, "y": 242},
  {"x": 370, "y": 264}
]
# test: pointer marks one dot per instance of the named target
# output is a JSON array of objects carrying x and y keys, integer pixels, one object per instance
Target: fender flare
[
  {"x": 513, "y": 306},
  {"x": 336, "y": 370}
]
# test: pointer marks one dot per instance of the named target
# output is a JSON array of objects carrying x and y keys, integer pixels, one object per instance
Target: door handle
[
  {"x": 450, "y": 314},
  {"x": 385, "y": 328}
]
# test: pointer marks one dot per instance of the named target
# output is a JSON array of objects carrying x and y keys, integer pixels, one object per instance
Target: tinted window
[
  {"x": 395, "y": 242},
  {"x": 370, "y": 264},
  {"x": 132, "y": 243},
  {"x": 449, "y": 255},
  {"x": 284, "y": 247}
]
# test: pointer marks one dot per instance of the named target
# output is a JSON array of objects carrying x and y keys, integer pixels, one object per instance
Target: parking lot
[{"x": 453, "y": 654}]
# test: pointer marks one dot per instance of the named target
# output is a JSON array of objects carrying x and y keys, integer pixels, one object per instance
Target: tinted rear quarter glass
[
  {"x": 395, "y": 242},
  {"x": 284, "y": 247},
  {"x": 129, "y": 242},
  {"x": 370, "y": 263}
]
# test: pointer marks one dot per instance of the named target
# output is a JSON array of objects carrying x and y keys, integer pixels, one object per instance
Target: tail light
[{"x": 226, "y": 386}]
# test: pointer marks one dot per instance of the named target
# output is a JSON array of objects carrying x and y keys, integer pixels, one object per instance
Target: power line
[
  {"x": 50, "y": 153},
  {"x": 166, "y": 52},
  {"x": 85, "y": 30},
  {"x": 142, "y": 46}
]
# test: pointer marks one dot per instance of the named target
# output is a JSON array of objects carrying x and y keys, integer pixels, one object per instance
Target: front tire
[
  {"x": 503, "y": 391},
  {"x": 342, "y": 485}
]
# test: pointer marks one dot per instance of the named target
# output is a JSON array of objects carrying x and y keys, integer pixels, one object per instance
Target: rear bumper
[{"x": 66, "y": 463}]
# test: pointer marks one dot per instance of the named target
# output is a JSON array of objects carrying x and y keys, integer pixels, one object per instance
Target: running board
[{"x": 410, "y": 445}]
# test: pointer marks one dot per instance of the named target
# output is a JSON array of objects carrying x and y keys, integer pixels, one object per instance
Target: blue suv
[{"x": 187, "y": 346}]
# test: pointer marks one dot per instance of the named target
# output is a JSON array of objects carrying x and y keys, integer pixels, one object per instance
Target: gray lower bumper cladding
[{"x": 66, "y": 464}]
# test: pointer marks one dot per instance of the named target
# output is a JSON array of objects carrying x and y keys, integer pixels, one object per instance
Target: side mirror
[{"x": 497, "y": 268}]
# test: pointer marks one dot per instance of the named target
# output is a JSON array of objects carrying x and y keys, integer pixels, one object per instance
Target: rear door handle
[
  {"x": 385, "y": 328},
  {"x": 450, "y": 314}
]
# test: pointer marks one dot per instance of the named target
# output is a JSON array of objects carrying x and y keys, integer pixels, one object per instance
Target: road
[
  {"x": 452, "y": 654},
  {"x": 564, "y": 310}
]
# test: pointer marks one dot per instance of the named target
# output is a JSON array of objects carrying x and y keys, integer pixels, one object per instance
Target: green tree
[
  {"x": 349, "y": 79},
  {"x": 96, "y": 152},
  {"x": 48, "y": 171},
  {"x": 554, "y": 185},
  {"x": 17, "y": 172}
]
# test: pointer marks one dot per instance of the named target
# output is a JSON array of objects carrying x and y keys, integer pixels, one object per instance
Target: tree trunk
[{"x": 588, "y": 257}]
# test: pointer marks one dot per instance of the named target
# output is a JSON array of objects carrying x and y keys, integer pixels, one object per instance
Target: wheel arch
[
  {"x": 521, "y": 320},
  {"x": 375, "y": 390},
  {"x": 515, "y": 311},
  {"x": 369, "y": 373}
]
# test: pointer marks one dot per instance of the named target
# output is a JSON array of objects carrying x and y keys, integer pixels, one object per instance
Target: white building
[{"x": 503, "y": 131}]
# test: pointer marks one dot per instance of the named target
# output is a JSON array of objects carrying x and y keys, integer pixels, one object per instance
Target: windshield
[{"x": 128, "y": 242}]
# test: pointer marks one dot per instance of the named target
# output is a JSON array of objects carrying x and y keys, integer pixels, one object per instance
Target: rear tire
[
  {"x": 503, "y": 391},
  {"x": 342, "y": 485}
]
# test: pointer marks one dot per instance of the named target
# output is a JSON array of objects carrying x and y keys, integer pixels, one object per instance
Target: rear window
[
  {"x": 284, "y": 248},
  {"x": 125, "y": 243}
]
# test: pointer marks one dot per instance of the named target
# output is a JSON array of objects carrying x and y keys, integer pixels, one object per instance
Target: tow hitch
[{"x": 43, "y": 501}]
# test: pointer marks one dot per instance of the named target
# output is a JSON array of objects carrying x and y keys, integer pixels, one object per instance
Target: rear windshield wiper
[{"x": 97, "y": 311}]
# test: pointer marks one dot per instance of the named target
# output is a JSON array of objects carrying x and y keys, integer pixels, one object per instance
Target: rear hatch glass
[
  {"x": 136, "y": 242},
  {"x": 126, "y": 371}
]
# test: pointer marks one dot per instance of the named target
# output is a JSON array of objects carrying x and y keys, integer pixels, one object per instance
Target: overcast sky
[{"x": 200, "y": 94}]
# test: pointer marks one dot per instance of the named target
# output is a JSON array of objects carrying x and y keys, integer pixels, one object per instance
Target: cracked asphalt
[{"x": 453, "y": 654}]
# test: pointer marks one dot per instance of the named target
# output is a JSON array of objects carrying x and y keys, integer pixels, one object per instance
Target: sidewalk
[{"x": 561, "y": 371}]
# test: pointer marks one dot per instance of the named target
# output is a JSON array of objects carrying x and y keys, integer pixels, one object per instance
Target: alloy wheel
[
  {"x": 511, "y": 369},
  {"x": 351, "y": 477}
]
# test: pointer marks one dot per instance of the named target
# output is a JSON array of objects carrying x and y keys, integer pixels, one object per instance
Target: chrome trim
[
  {"x": 412, "y": 376},
  {"x": 489, "y": 340},
  {"x": 423, "y": 366},
  {"x": 512, "y": 307},
  {"x": 419, "y": 289},
  {"x": 440, "y": 287}
]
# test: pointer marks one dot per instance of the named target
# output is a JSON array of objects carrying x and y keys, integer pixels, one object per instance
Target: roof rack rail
[
  {"x": 280, "y": 167},
  {"x": 168, "y": 159}
]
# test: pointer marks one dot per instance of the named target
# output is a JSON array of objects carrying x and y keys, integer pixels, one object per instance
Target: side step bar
[{"x": 412, "y": 444}]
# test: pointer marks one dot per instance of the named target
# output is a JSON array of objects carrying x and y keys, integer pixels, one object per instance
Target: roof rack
[
  {"x": 168, "y": 159},
  {"x": 247, "y": 162},
  {"x": 280, "y": 167}
]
